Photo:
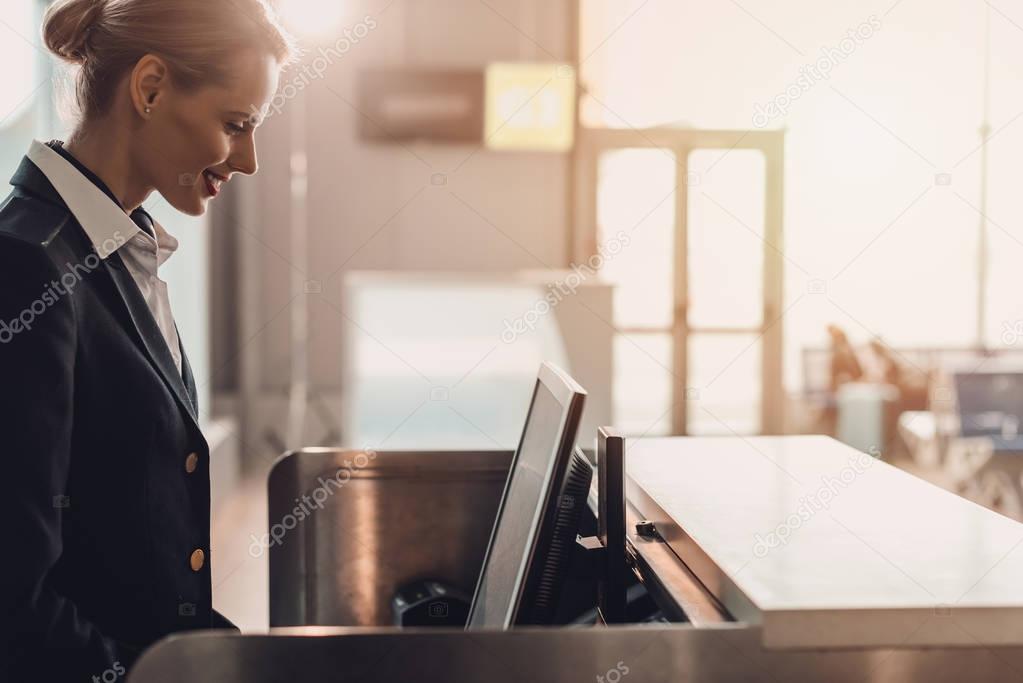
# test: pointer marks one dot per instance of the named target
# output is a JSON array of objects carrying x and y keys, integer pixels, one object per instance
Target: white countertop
[{"x": 871, "y": 556}]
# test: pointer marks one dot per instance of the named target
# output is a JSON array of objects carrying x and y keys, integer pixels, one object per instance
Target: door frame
[{"x": 592, "y": 142}]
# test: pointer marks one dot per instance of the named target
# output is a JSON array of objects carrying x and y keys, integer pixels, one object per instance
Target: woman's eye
[{"x": 235, "y": 129}]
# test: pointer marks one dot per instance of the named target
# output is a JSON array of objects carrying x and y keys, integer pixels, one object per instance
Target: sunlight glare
[{"x": 312, "y": 17}]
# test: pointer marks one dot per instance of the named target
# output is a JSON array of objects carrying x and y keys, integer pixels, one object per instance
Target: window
[
  {"x": 881, "y": 180},
  {"x": 25, "y": 110}
]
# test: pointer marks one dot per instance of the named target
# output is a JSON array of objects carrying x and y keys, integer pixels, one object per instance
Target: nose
[{"x": 243, "y": 155}]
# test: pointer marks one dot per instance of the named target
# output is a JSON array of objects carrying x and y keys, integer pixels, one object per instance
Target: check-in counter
[
  {"x": 375, "y": 520},
  {"x": 771, "y": 558},
  {"x": 822, "y": 546}
]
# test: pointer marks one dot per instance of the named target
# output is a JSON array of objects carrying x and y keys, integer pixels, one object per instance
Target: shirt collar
[
  {"x": 58, "y": 147},
  {"x": 104, "y": 221},
  {"x": 166, "y": 243}
]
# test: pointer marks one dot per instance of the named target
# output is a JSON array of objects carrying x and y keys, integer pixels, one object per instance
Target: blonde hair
[{"x": 196, "y": 38}]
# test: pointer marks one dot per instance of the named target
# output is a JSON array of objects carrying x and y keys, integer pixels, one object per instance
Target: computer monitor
[{"x": 534, "y": 532}]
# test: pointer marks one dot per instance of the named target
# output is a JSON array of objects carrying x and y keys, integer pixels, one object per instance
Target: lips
[{"x": 213, "y": 182}]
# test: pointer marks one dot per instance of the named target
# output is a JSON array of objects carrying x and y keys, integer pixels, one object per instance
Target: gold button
[
  {"x": 197, "y": 559},
  {"x": 191, "y": 462}
]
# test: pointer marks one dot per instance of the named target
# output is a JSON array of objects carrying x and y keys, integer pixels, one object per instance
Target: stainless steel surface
[
  {"x": 362, "y": 523},
  {"x": 648, "y": 654},
  {"x": 870, "y": 557}
]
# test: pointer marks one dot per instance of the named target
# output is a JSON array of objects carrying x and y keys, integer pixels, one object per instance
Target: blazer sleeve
[{"x": 37, "y": 359}]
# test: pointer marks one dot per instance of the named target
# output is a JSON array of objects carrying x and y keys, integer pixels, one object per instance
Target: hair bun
[{"x": 66, "y": 27}]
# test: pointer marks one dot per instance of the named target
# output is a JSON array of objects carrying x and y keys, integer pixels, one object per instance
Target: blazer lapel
[
  {"x": 149, "y": 335},
  {"x": 187, "y": 376},
  {"x": 29, "y": 178}
]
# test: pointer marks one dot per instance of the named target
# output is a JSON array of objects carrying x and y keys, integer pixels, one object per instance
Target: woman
[{"x": 105, "y": 485}]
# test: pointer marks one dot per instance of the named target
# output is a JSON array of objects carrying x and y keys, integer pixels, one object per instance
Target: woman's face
[{"x": 195, "y": 141}]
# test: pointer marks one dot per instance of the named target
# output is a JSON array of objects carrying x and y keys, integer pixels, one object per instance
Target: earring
[{"x": 149, "y": 110}]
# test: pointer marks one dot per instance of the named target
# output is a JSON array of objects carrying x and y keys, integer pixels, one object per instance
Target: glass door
[
  {"x": 636, "y": 199},
  {"x": 697, "y": 332}
]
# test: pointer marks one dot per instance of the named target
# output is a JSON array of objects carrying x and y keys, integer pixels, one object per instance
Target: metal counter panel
[
  {"x": 371, "y": 521},
  {"x": 640, "y": 654}
]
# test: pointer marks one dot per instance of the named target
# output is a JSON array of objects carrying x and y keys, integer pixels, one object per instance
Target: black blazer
[{"x": 104, "y": 472}]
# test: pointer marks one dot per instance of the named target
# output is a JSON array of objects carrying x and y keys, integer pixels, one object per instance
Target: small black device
[{"x": 429, "y": 603}]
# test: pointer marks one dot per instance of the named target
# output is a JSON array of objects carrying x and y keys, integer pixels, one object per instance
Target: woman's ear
[{"x": 148, "y": 83}]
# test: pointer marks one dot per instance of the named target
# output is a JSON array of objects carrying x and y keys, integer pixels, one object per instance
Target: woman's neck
[{"x": 106, "y": 153}]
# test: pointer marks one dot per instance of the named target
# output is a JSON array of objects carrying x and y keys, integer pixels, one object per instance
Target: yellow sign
[{"x": 530, "y": 106}]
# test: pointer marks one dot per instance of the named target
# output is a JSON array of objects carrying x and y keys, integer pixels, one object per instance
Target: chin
[
  {"x": 193, "y": 209},
  {"x": 190, "y": 206}
]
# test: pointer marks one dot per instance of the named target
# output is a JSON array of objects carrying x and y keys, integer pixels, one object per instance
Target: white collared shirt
[{"x": 110, "y": 229}]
